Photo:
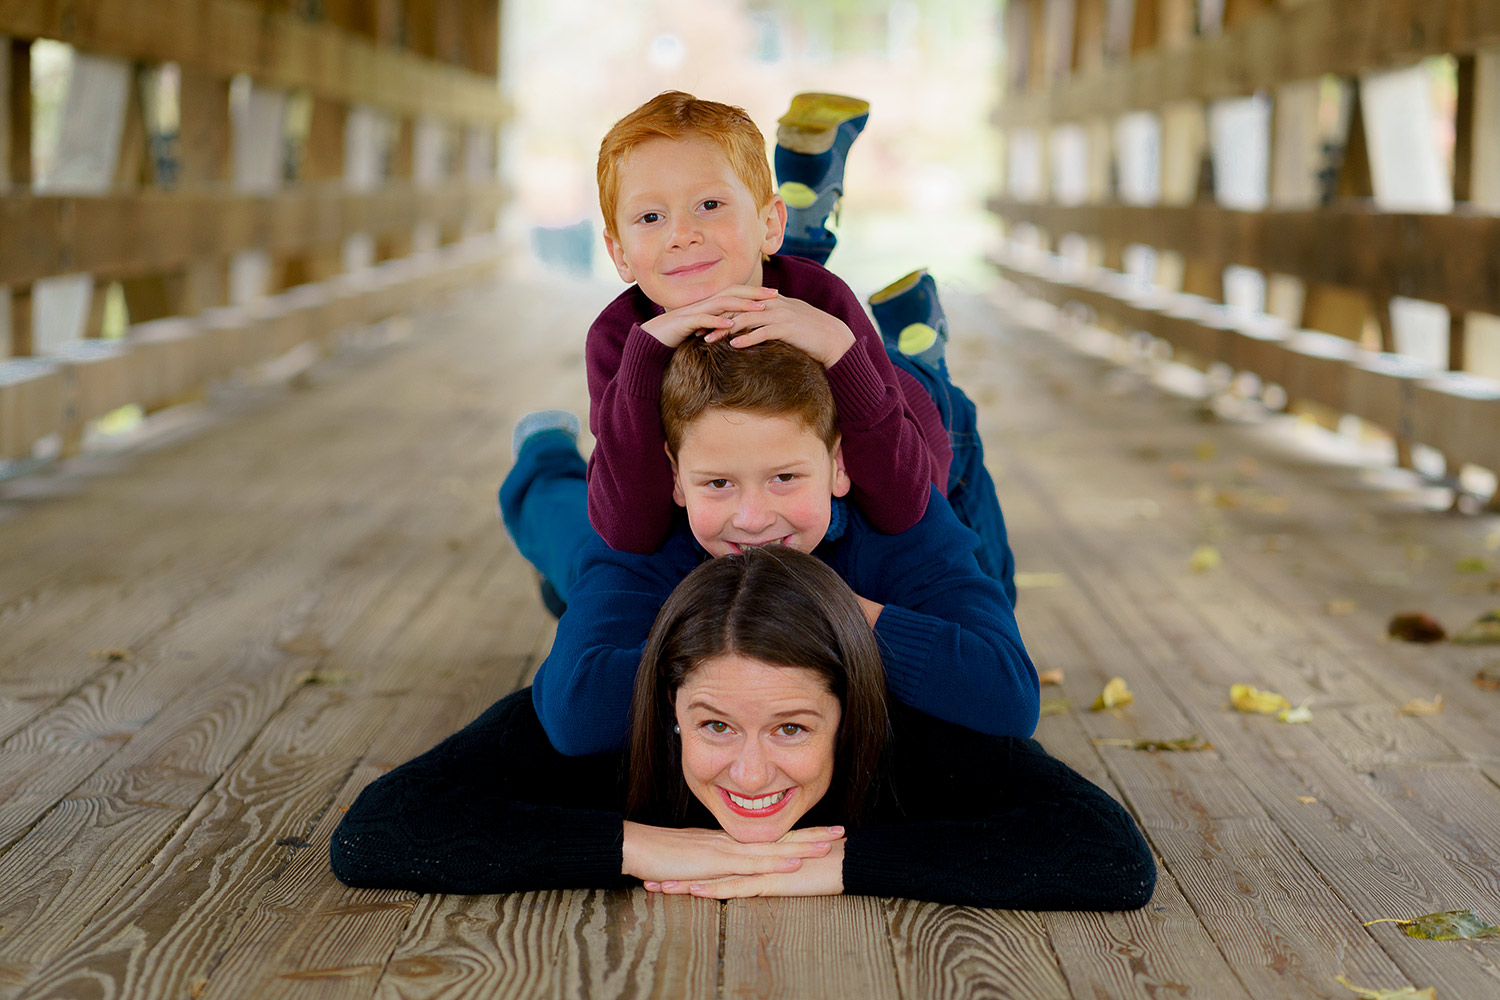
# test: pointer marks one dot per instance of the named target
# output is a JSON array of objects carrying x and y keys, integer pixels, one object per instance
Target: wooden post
[
  {"x": 15, "y": 174},
  {"x": 203, "y": 145},
  {"x": 15, "y": 136},
  {"x": 482, "y": 36},
  {"x": 1463, "y": 167}
]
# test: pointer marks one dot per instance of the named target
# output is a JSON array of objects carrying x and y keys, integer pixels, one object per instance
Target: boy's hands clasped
[{"x": 750, "y": 315}]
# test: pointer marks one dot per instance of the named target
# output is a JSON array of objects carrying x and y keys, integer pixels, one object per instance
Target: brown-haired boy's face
[
  {"x": 687, "y": 226},
  {"x": 748, "y": 479}
]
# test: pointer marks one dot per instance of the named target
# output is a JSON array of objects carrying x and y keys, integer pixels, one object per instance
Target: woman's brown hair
[{"x": 781, "y": 607}]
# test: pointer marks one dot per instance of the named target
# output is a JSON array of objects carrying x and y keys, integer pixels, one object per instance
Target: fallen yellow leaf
[
  {"x": 1205, "y": 451},
  {"x": 1445, "y": 925},
  {"x": 1054, "y": 706},
  {"x": 1400, "y": 993},
  {"x": 1204, "y": 557},
  {"x": 1039, "y": 581},
  {"x": 1306, "y": 800},
  {"x": 1255, "y": 702},
  {"x": 1054, "y": 676},
  {"x": 1292, "y": 716},
  {"x": 1421, "y": 706},
  {"x": 1114, "y": 695},
  {"x": 1482, "y": 631},
  {"x": 1340, "y": 608},
  {"x": 1472, "y": 564}
]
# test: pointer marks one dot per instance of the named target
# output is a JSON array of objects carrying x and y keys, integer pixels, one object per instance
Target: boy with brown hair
[{"x": 755, "y": 456}]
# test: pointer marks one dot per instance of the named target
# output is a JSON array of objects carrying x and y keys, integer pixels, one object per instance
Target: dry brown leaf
[
  {"x": 1179, "y": 472},
  {"x": 1247, "y": 699},
  {"x": 1400, "y": 993},
  {"x": 1487, "y": 680},
  {"x": 1415, "y": 626},
  {"x": 110, "y": 655},
  {"x": 1246, "y": 467},
  {"x": 1341, "y": 608},
  {"x": 1204, "y": 558},
  {"x": 1054, "y": 676},
  {"x": 1421, "y": 706},
  {"x": 1114, "y": 695},
  {"x": 1183, "y": 744}
]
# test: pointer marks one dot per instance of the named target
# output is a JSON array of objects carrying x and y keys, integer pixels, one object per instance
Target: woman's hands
[
  {"x": 820, "y": 876},
  {"x": 669, "y": 860}
]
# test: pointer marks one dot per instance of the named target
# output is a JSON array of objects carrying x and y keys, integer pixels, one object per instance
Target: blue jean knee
[
  {"x": 971, "y": 490},
  {"x": 544, "y": 504}
]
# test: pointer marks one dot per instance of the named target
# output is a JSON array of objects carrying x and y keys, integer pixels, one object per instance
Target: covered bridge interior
[{"x": 267, "y": 318}]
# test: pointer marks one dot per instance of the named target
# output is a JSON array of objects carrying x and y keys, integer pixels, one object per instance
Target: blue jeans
[
  {"x": 971, "y": 491},
  {"x": 545, "y": 506}
]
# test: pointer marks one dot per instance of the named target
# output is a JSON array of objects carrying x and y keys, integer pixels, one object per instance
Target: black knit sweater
[{"x": 960, "y": 817}]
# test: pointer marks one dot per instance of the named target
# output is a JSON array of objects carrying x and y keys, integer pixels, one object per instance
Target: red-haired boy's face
[{"x": 687, "y": 226}]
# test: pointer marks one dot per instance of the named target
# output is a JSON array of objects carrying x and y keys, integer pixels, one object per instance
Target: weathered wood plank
[
  {"x": 146, "y": 232},
  {"x": 1297, "y": 42},
  {"x": 226, "y": 37},
  {"x": 1386, "y": 250},
  {"x": 956, "y": 951},
  {"x": 811, "y": 946}
]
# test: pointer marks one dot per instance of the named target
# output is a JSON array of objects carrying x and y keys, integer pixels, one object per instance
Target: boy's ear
[
  {"x": 617, "y": 254},
  {"x": 840, "y": 476},
  {"x": 774, "y": 217},
  {"x": 677, "y": 494}
]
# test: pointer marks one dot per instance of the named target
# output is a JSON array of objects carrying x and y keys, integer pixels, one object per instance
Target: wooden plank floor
[{"x": 210, "y": 643}]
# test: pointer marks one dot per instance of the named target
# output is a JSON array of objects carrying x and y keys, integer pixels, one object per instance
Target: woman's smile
[
  {"x": 757, "y": 743},
  {"x": 760, "y": 807}
]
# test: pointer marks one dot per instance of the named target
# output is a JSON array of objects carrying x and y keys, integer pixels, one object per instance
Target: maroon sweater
[{"x": 894, "y": 441}]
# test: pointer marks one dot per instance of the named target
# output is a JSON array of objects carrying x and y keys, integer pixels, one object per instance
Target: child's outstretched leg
[
  {"x": 915, "y": 331},
  {"x": 544, "y": 501},
  {"x": 812, "y": 143},
  {"x": 911, "y": 319}
]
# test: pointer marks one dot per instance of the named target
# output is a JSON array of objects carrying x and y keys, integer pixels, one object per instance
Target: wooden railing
[
  {"x": 348, "y": 221},
  {"x": 1321, "y": 227}
]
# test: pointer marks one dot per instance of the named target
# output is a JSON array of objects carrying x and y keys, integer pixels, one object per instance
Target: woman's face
[{"x": 757, "y": 743}]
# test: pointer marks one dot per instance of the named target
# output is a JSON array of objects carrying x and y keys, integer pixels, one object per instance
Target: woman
[{"x": 765, "y": 760}]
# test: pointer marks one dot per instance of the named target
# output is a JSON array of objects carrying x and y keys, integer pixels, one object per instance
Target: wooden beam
[
  {"x": 226, "y": 37},
  {"x": 1377, "y": 250},
  {"x": 1265, "y": 51},
  {"x": 147, "y": 232}
]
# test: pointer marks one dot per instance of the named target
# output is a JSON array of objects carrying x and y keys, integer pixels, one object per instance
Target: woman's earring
[{"x": 677, "y": 730}]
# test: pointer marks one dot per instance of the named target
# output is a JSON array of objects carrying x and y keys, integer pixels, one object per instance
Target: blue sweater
[{"x": 947, "y": 634}]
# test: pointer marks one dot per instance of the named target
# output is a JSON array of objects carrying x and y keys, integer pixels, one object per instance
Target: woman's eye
[
  {"x": 790, "y": 729},
  {"x": 717, "y": 727}
]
